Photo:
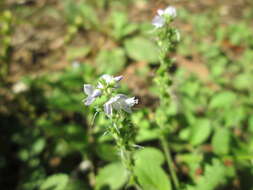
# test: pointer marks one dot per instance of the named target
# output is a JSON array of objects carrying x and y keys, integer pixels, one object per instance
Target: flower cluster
[
  {"x": 163, "y": 15},
  {"x": 106, "y": 86}
]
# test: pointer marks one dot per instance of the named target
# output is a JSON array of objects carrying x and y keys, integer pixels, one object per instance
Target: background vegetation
[{"x": 50, "y": 48}]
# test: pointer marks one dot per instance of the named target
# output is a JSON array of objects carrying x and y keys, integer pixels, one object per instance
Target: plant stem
[
  {"x": 170, "y": 163},
  {"x": 125, "y": 154}
]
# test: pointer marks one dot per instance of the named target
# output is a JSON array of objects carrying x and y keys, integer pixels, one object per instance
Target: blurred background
[{"x": 50, "y": 48}]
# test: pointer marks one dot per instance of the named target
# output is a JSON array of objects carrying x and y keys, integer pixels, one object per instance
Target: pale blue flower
[
  {"x": 92, "y": 94},
  {"x": 158, "y": 21},
  {"x": 109, "y": 80},
  {"x": 119, "y": 102}
]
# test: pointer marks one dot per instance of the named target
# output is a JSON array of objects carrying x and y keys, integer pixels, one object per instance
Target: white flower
[
  {"x": 92, "y": 94},
  {"x": 159, "y": 19},
  {"x": 170, "y": 11},
  {"x": 109, "y": 80},
  {"x": 120, "y": 102}
]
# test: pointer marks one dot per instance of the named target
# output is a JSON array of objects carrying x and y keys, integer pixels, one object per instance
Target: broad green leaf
[
  {"x": 200, "y": 131},
  {"x": 141, "y": 49},
  {"x": 74, "y": 53},
  {"x": 121, "y": 25},
  {"x": 148, "y": 170},
  {"x": 147, "y": 135},
  {"x": 88, "y": 13},
  {"x": 111, "y": 61},
  {"x": 185, "y": 133},
  {"x": 154, "y": 156},
  {"x": 221, "y": 141},
  {"x": 107, "y": 152},
  {"x": 112, "y": 176},
  {"x": 152, "y": 177},
  {"x": 223, "y": 99},
  {"x": 234, "y": 117},
  {"x": 243, "y": 81},
  {"x": 55, "y": 182},
  {"x": 214, "y": 176}
]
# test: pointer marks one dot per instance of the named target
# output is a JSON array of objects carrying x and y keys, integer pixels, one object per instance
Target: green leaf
[
  {"x": 147, "y": 135},
  {"x": 154, "y": 156},
  {"x": 38, "y": 146},
  {"x": 223, "y": 99},
  {"x": 221, "y": 141},
  {"x": 112, "y": 176},
  {"x": 88, "y": 13},
  {"x": 107, "y": 152},
  {"x": 214, "y": 176},
  {"x": 55, "y": 182},
  {"x": 141, "y": 49},
  {"x": 74, "y": 53},
  {"x": 148, "y": 170},
  {"x": 152, "y": 177},
  {"x": 200, "y": 131},
  {"x": 250, "y": 123},
  {"x": 121, "y": 25},
  {"x": 111, "y": 61},
  {"x": 243, "y": 81}
]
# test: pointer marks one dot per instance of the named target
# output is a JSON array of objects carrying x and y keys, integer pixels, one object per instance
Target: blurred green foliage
[{"x": 48, "y": 140}]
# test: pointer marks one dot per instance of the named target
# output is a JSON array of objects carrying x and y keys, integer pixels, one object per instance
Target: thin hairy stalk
[{"x": 170, "y": 163}]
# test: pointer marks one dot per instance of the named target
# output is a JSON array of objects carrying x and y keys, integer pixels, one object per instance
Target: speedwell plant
[
  {"x": 116, "y": 107},
  {"x": 166, "y": 37}
]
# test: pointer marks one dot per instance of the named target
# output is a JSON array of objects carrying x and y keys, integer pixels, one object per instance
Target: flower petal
[
  {"x": 158, "y": 21},
  {"x": 88, "y": 89},
  {"x": 131, "y": 101},
  {"x": 118, "y": 78},
  {"x": 160, "y": 12},
  {"x": 96, "y": 93},
  {"x": 171, "y": 11},
  {"x": 88, "y": 101},
  {"x": 108, "y": 78},
  {"x": 108, "y": 108},
  {"x": 126, "y": 108}
]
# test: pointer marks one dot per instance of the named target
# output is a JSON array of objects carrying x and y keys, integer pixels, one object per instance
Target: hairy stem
[
  {"x": 126, "y": 154},
  {"x": 170, "y": 163}
]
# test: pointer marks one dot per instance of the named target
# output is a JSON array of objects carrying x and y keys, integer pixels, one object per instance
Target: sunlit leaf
[{"x": 141, "y": 49}]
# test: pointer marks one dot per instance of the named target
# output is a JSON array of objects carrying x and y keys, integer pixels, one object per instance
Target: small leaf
[
  {"x": 55, "y": 182},
  {"x": 250, "y": 123},
  {"x": 222, "y": 99},
  {"x": 220, "y": 141},
  {"x": 141, "y": 49},
  {"x": 74, "y": 53},
  {"x": 112, "y": 176},
  {"x": 200, "y": 131},
  {"x": 38, "y": 146}
]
